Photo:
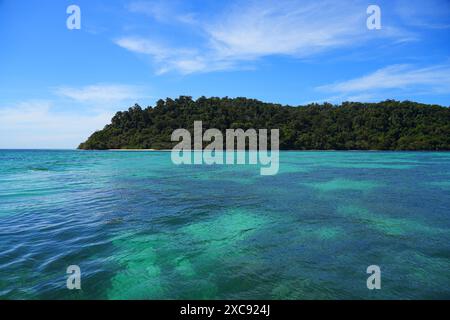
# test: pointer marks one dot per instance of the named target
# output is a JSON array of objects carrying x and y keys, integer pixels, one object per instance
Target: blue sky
[{"x": 58, "y": 85}]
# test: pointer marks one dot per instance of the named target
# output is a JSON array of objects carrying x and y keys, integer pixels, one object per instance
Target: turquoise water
[{"x": 141, "y": 228}]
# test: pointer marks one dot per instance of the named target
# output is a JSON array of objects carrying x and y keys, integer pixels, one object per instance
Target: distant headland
[{"x": 386, "y": 125}]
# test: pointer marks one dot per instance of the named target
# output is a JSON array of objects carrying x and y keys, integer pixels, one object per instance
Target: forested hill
[{"x": 388, "y": 125}]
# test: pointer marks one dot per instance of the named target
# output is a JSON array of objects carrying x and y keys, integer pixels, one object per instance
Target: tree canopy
[{"x": 387, "y": 125}]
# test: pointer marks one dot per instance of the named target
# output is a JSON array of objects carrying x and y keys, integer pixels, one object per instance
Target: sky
[{"x": 59, "y": 85}]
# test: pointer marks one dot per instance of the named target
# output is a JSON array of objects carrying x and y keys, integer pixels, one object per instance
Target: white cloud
[
  {"x": 163, "y": 11},
  {"x": 35, "y": 124},
  {"x": 140, "y": 45},
  {"x": 249, "y": 30},
  {"x": 101, "y": 93},
  {"x": 66, "y": 118},
  {"x": 183, "y": 60},
  {"x": 155, "y": 9},
  {"x": 289, "y": 28},
  {"x": 403, "y": 79},
  {"x": 432, "y": 14},
  {"x": 158, "y": 51}
]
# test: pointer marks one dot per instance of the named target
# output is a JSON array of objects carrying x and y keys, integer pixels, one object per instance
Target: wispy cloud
[
  {"x": 101, "y": 93},
  {"x": 163, "y": 11},
  {"x": 285, "y": 28},
  {"x": 250, "y": 30},
  {"x": 67, "y": 117},
  {"x": 403, "y": 79},
  {"x": 166, "y": 58},
  {"x": 432, "y": 14},
  {"x": 35, "y": 124}
]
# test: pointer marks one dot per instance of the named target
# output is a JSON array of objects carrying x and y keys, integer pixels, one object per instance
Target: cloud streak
[
  {"x": 69, "y": 116},
  {"x": 403, "y": 79},
  {"x": 432, "y": 14},
  {"x": 34, "y": 124},
  {"x": 285, "y": 28},
  {"x": 163, "y": 11},
  {"x": 248, "y": 31},
  {"x": 101, "y": 93}
]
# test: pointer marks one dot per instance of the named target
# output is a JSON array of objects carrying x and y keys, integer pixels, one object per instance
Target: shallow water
[{"x": 140, "y": 227}]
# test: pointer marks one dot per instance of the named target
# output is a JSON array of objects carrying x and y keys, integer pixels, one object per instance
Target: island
[{"x": 386, "y": 125}]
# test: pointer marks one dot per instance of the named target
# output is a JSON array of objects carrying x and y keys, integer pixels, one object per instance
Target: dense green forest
[{"x": 387, "y": 125}]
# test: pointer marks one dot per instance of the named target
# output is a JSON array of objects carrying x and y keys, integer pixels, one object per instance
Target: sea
[{"x": 140, "y": 227}]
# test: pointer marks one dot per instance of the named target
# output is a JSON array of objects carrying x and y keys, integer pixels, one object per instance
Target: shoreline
[
  {"x": 169, "y": 150},
  {"x": 136, "y": 150},
  {"x": 311, "y": 150}
]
